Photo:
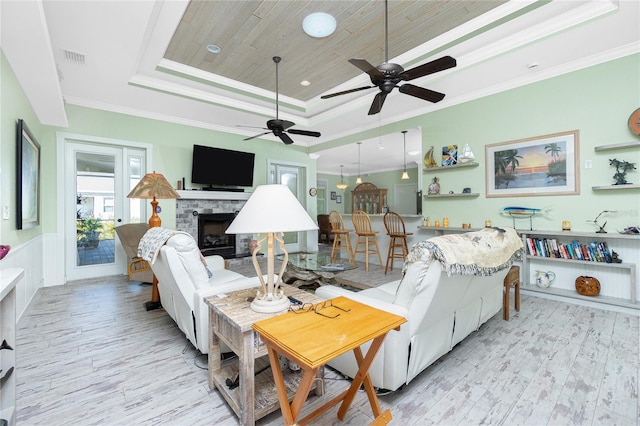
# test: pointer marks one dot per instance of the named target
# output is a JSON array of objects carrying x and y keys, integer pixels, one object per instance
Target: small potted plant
[
  {"x": 622, "y": 167},
  {"x": 88, "y": 232}
]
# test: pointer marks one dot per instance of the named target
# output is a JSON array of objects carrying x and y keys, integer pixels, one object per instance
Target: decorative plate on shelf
[{"x": 634, "y": 121}]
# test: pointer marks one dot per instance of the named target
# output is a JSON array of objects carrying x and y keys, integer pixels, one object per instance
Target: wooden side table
[
  {"x": 318, "y": 339},
  {"x": 230, "y": 321},
  {"x": 512, "y": 279}
]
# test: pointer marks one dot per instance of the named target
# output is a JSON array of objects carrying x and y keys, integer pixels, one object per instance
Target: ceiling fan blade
[
  {"x": 285, "y": 138},
  {"x": 421, "y": 92},
  {"x": 251, "y": 127},
  {"x": 304, "y": 132},
  {"x": 344, "y": 92},
  {"x": 377, "y": 103},
  {"x": 257, "y": 136},
  {"x": 365, "y": 66},
  {"x": 441, "y": 64}
]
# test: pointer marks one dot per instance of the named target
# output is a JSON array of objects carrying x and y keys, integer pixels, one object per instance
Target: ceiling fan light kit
[
  {"x": 278, "y": 127},
  {"x": 387, "y": 76},
  {"x": 319, "y": 25}
]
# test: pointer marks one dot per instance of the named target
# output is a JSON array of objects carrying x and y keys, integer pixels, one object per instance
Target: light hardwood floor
[{"x": 88, "y": 353}]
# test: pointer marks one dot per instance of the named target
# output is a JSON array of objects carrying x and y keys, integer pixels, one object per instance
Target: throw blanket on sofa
[
  {"x": 153, "y": 240},
  {"x": 483, "y": 252}
]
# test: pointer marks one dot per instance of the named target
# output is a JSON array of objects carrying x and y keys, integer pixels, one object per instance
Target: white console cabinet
[{"x": 9, "y": 278}]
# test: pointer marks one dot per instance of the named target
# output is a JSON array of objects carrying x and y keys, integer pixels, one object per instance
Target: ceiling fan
[
  {"x": 386, "y": 76},
  {"x": 278, "y": 127}
]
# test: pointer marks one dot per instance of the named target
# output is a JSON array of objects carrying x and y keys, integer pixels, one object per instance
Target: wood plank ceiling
[{"x": 250, "y": 33}]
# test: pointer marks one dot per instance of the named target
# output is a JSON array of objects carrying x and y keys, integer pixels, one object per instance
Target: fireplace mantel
[{"x": 214, "y": 195}]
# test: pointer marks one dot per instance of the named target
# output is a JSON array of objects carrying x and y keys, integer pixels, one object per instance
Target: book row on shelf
[{"x": 595, "y": 251}]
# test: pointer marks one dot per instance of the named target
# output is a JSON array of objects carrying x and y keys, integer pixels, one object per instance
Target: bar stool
[
  {"x": 397, "y": 238},
  {"x": 364, "y": 231},
  {"x": 512, "y": 279},
  {"x": 341, "y": 240}
]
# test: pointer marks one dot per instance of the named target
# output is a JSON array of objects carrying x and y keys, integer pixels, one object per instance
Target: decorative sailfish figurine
[
  {"x": 524, "y": 212},
  {"x": 466, "y": 154},
  {"x": 429, "y": 161}
]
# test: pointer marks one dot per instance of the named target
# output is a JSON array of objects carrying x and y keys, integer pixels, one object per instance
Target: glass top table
[
  {"x": 317, "y": 262},
  {"x": 309, "y": 269}
]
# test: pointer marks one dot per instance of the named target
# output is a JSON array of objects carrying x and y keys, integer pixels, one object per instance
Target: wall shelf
[
  {"x": 617, "y": 146},
  {"x": 455, "y": 166},
  {"x": 458, "y": 195},
  {"x": 610, "y": 187}
]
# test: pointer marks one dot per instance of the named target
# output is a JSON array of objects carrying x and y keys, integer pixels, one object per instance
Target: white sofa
[
  {"x": 184, "y": 282},
  {"x": 440, "y": 309}
]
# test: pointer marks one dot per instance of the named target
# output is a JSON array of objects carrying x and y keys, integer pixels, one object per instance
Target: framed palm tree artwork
[{"x": 541, "y": 165}]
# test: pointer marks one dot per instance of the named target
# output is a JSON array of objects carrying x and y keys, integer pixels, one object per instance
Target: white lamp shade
[{"x": 271, "y": 208}]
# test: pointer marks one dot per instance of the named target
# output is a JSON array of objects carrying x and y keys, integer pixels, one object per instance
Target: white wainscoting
[{"x": 28, "y": 256}]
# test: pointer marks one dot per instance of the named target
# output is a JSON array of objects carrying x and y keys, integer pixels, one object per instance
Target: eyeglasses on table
[{"x": 308, "y": 307}]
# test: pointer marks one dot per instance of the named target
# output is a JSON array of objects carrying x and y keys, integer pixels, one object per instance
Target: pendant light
[
  {"x": 341, "y": 185},
  {"x": 405, "y": 175},
  {"x": 359, "y": 180}
]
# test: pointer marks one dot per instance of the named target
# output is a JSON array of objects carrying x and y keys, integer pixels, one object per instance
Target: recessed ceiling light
[
  {"x": 214, "y": 48},
  {"x": 305, "y": 83},
  {"x": 413, "y": 152},
  {"x": 319, "y": 24}
]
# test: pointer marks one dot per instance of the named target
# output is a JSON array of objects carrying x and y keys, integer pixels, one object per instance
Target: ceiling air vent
[{"x": 73, "y": 57}]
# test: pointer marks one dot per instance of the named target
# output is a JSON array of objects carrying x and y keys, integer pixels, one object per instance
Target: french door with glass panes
[{"x": 97, "y": 181}]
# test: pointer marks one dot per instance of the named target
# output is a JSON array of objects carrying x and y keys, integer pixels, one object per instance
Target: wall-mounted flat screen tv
[{"x": 221, "y": 167}]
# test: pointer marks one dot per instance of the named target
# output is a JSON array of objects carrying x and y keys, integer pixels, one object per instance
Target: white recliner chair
[{"x": 184, "y": 281}]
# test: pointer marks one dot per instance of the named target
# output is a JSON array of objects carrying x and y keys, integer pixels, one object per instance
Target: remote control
[{"x": 294, "y": 301}]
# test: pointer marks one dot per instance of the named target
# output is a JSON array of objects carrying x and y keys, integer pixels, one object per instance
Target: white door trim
[{"x": 58, "y": 249}]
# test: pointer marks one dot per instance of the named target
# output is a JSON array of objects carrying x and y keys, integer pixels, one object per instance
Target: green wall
[
  {"x": 13, "y": 106},
  {"x": 596, "y": 101},
  {"x": 173, "y": 146}
]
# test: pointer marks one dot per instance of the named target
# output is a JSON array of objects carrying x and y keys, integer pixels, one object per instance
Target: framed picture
[
  {"x": 333, "y": 195},
  {"x": 28, "y": 178},
  {"x": 542, "y": 165},
  {"x": 338, "y": 199},
  {"x": 449, "y": 155}
]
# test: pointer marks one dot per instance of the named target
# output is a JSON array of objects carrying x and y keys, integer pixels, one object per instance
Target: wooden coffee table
[
  {"x": 318, "y": 339},
  {"x": 230, "y": 321}
]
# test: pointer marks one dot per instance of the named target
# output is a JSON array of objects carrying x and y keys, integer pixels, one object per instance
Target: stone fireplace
[{"x": 193, "y": 206}]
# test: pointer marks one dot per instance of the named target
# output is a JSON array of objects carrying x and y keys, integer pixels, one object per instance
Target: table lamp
[
  {"x": 271, "y": 210},
  {"x": 153, "y": 186}
]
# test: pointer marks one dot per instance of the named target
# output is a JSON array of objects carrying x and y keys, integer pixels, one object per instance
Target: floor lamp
[
  {"x": 271, "y": 210},
  {"x": 153, "y": 186}
]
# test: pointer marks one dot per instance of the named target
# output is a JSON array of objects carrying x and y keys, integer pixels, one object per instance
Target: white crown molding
[
  {"x": 27, "y": 46},
  {"x": 215, "y": 79}
]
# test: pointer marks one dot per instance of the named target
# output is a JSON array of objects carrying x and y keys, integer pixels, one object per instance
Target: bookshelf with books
[{"x": 610, "y": 257}]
